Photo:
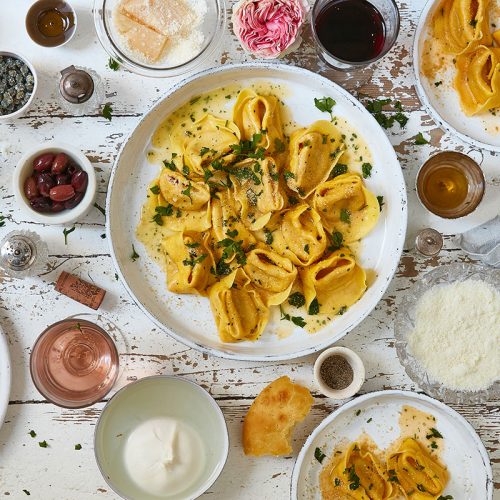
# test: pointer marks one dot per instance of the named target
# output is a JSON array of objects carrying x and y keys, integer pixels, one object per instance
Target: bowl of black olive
[
  {"x": 18, "y": 83},
  {"x": 55, "y": 183}
]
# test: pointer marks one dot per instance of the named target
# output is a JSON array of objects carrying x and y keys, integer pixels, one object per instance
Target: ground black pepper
[{"x": 336, "y": 372}]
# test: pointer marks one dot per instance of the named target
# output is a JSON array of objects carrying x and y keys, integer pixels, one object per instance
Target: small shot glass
[{"x": 338, "y": 57}]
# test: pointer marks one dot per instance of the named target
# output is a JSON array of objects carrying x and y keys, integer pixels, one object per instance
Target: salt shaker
[
  {"x": 81, "y": 89},
  {"x": 23, "y": 254},
  {"x": 429, "y": 242}
]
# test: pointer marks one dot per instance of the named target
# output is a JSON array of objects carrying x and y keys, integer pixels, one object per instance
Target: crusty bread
[{"x": 269, "y": 423}]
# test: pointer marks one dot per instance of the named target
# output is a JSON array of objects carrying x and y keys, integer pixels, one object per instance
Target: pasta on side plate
[{"x": 252, "y": 216}]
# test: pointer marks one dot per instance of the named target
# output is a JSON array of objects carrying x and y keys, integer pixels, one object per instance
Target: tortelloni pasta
[
  {"x": 358, "y": 475},
  {"x": 233, "y": 227},
  {"x": 462, "y": 25},
  {"x": 314, "y": 151},
  {"x": 298, "y": 235},
  {"x": 478, "y": 80},
  {"x": 336, "y": 282},
  {"x": 239, "y": 311},
  {"x": 415, "y": 472},
  {"x": 271, "y": 274},
  {"x": 261, "y": 115},
  {"x": 345, "y": 205}
]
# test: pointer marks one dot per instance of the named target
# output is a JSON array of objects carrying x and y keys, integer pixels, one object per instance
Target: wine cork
[{"x": 82, "y": 291}]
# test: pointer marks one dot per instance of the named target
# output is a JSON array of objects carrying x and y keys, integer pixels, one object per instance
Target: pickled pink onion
[{"x": 269, "y": 28}]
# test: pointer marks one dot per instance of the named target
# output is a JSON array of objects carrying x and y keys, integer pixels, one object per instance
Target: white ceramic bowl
[
  {"x": 25, "y": 108},
  {"x": 357, "y": 367},
  {"x": 156, "y": 397},
  {"x": 24, "y": 169},
  {"x": 5, "y": 375}
]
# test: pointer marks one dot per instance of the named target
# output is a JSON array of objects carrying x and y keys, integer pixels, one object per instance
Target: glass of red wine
[{"x": 352, "y": 34}]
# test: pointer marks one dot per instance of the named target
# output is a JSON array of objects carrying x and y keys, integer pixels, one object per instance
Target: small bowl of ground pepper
[{"x": 339, "y": 372}]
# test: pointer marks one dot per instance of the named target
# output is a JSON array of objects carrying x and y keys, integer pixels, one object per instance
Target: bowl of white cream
[{"x": 161, "y": 437}]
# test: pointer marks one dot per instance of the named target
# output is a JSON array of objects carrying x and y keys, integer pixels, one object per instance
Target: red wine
[{"x": 351, "y": 30}]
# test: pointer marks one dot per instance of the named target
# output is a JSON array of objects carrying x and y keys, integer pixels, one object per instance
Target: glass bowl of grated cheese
[
  {"x": 447, "y": 331},
  {"x": 160, "y": 38}
]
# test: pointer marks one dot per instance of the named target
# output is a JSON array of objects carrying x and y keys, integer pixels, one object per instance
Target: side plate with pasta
[
  {"x": 441, "y": 433},
  {"x": 181, "y": 310},
  {"x": 436, "y": 67}
]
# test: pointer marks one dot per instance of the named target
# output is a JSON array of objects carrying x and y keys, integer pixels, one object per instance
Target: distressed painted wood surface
[{"x": 27, "y": 307}]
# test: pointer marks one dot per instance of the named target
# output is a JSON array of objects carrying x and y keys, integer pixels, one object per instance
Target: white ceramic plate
[
  {"x": 187, "y": 317},
  {"x": 4, "y": 376},
  {"x": 464, "y": 453},
  {"x": 442, "y": 102}
]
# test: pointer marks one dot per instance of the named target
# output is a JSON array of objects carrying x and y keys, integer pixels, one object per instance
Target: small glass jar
[
  {"x": 450, "y": 185},
  {"x": 389, "y": 13}
]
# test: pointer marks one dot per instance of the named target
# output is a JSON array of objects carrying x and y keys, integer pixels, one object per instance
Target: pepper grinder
[
  {"x": 23, "y": 254},
  {"x": 429, "y": 242},
  {"x": 81, "y": 89}
]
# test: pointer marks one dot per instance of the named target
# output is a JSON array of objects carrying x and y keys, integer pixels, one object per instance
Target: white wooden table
[{"x": 27, "y": 307}]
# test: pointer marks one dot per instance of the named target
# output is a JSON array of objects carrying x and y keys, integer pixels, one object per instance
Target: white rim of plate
[
  {"x": 217, "y": 352},
  {"x": 395, "y": 392},
  {"x": 5, "y": 378},
  {"x": 422, "y": 95}
]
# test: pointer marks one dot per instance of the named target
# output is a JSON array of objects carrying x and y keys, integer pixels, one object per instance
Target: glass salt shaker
[
  {"x": 23, "y": 254},
  {"x": 81, "y": 89}
]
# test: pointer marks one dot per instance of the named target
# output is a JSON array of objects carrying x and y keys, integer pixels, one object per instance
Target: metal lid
[
  {"x": 429, "y": 242},
  {"x": 17, "y": 253},
  {"x": 76, "y": 85}
]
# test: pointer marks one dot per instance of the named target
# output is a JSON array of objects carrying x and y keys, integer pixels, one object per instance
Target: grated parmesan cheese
[{"x": 457, "y": 334}]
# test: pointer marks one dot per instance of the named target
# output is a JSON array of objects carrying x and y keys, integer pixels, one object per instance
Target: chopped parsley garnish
[
  {"x": 32, "y": 434},
  {"x": 313, "y": 307},
  {"x": 43, "y": 444},
  {"x": 185, "y": 170},
  {"x": 386, "y": 121},
  {"x": 249, "y": 149},
  {"x": 358, "y": 412},
  {"x": 342, "y": 310},
  {"x": 161, "y": 212},
  {"x": 369, "y": 420},
  {"x": 325, "y": 104},
  {"x": 381, "y": 203},
  {"x": 337, "y": 240},
  {"x": 232, "y": 247},
  {"x": 2, "y": 221},
  {"x": 296, "y": 299},
  {"x": 170, "y": 164},
  {"x": 221, "y": 269},
  {"x": 195, "y": 260},
  {"x": 106, "y": 111},
  {"x": 134, "y": 255},
  {"x": 337, "y": 170},
  {"x": 306, "y": 248},
  {"x": 279, "y": 145},
  {"x": 155, "y": 189},
  {"x": 345, "y": 216},
  {"x": 187, "y": 191},
  {"x": 269, "y": 236},
  {"x": 392, "y": 476},
  {"x": 366, "y": 168},
  {"x": 247, "y": 173},
  {"x": 473, "y": 22},
  {"x": 337, "y": 481},
  {"x": 78, "y": 446},
  {"x": 319, "y": 455},
  {"x": 233, "y": 233},
  {"x": 420, "y": 140},
  {"x": 112, "y": 64},
  {"x": 27, "y": 492},
  {"x": 66, "y": 232},
  {"x": 447, "y": 497},
  {"x": 195, "y": 244},
  {"x": 296, "y": 320},
  {"x": 352, "y": 477},
  {"x": 421, "y": 487},
  {"x": 204, "y": 151},
  {"x": 434, "y": 433},
  {"x": 289, "y": 175},
  {"x": 194, "y": 100},
  {"x": 292, "y": 200},
  {"x": 437, "y": 84}
]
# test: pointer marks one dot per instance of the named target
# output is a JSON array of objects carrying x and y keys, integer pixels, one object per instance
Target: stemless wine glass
[{"x": 389, "y": 14}]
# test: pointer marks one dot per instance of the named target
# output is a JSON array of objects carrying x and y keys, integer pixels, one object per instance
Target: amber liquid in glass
[{"x": 446, "y": 187}]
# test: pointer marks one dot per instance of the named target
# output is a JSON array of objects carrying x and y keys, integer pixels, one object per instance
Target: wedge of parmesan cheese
[
  {"x": 140, "y": 38},
  {"x": 168, "y": 17}
]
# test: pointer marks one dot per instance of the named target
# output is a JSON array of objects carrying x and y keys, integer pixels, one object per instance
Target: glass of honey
[
  {"x": 352, "y": 34},
  {"x": 51, "y": 23},
  {"x": 450, "y": 184}
]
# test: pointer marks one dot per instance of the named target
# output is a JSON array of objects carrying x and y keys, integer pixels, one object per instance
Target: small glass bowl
[
  {"x": 462, "y": 163},
  {"x": 404, "y": 324},
  {"x": 213, "y": 28},
  {"x": 390, "y": 14}
]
